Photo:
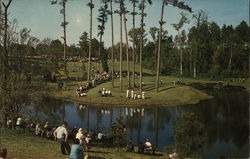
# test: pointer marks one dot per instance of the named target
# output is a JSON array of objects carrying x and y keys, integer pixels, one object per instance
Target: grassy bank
[
  {"x": 168, "y": 95},
  {"x": 26, "y": 146}
]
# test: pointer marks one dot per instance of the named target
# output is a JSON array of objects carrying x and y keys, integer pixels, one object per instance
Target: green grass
[
  {"x": 79, "y": 71},
  {"x": 27, "y": 146},
  {"x": 168, "y": 95}
]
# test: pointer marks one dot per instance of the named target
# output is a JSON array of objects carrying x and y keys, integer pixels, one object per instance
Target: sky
[{"x": 44, "y": 19}]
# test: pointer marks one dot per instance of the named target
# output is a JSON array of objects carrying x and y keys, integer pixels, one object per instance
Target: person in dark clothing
[
  {"x": 3, "y": 153},
  {"x": 61, "y": 135},
  {"x": 130, "y": 146},
  {"x": 141, "y": 147}
]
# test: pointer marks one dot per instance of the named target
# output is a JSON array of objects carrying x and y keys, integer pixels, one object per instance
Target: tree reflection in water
[
  {"x": 225, "y": 118},
  {"x": 48, "y": 109}
]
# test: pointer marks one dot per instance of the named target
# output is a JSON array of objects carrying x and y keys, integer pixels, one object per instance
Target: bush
[{"x": 118, "y": 133}]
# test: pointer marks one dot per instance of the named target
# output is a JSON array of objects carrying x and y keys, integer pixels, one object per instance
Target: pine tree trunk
[
  {"x": 5, "y": 38},
  {"x": 141, "y": 42},
  {"x": 133, "y": 73},
  {"x": 6, "y": 61},
  {"x": 127, "y": 51},
  {"x": 90, "y": 42},
  {"x": 112, "y": 49},
  {"x": 156, "y": 52},
  {"x": 195, "y": 60},
  {"x": 194, "y": 71},
  {"x": 190, "y": 61},
  {"x": 181, "y": 71},
  {"x": 230, "y": 58},
  {"x": 100, "y": 50},
  {"x": 120, "y": 47},
  {"x": 64, "y": 36},
  {"x": 159, "y": 48}
]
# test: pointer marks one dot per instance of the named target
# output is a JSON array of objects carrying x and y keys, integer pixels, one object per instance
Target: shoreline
[
  {"x": 129, "y": 104},
  {"x": 191, "y": 92},
  {"x": 116, "y": 101}
]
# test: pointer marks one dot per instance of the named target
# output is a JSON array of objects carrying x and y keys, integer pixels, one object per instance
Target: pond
[{"x": 226, "y": 119}]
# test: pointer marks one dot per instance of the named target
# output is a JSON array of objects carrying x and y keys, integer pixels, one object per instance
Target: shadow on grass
[
  {"x": 93, "y": 157},
  {"x": 164, "y": 89},
  {"x": 149, "y": 154},
  {"x": 100, "y": 152},
  {"x": 151, "y": 87}
]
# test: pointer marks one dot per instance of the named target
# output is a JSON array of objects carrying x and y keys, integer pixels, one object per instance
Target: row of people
[
  {"x": 178, "y": 82},
  {"x": 87, "y": 138},
  {"x": 39, "y": 129},
  {"x": 103, "y": 92},
  {"x": 83, "y": 139},
  {"x": 68, "y": 59},
  {"x": 132, "y": 95},
  {"x": 60, "y": 134}
]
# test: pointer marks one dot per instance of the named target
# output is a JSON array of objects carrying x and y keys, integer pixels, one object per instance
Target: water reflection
[{"x": 225, "y": 118}]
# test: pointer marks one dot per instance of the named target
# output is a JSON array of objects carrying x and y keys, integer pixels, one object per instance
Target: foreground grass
[{"x": 26, "y": 146}]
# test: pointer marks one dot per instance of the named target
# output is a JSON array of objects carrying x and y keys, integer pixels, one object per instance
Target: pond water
[{"x": 226, "y": 120}]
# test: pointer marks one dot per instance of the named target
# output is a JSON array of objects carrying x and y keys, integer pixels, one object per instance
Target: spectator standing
[
  {"x": 61, "y": 135},
  {"x": 130, "y": 146}
]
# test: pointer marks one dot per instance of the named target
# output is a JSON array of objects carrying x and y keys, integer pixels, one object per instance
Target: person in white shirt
[
  {"x": 61, "y": 135},
  {"x": 19, "y": 121},
  {"x": 127, "y": 94},
  {"x": 9, "y": 123},
  {"x": 100, "y": 136},
  {"x": 80, "y": 136},
  {"x": 148, "y": 144},
  {"x": 143, "y": 95},
  {"x": 174, "y": 155},
  {"x": 88, "y": 139},
  {"x": 132, "y": 94},
  {"x": 38, "y": 129}
]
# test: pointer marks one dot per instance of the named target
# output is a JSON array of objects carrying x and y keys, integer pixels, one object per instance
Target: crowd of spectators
[{"x": 98, "y": 79}]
